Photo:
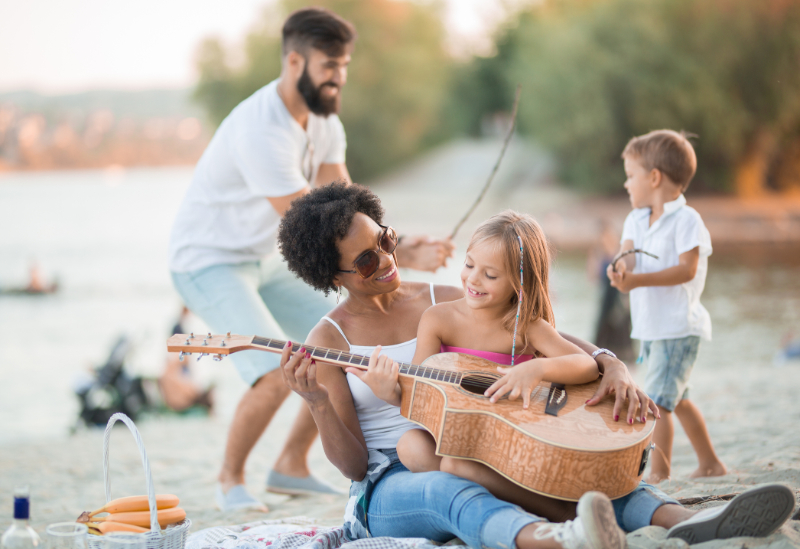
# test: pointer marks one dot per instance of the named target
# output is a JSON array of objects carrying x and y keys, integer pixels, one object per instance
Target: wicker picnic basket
[{"x": 172, "y": 537}]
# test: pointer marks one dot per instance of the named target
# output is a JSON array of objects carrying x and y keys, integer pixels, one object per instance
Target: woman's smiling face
[
  {"x": 484, "y": 277},
  {"x": 363, "y": 235}
]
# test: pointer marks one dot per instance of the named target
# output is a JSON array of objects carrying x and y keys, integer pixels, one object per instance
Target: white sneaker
[
  {"x": 594, "y": 528},
  {"x": 754, "y": 513}
]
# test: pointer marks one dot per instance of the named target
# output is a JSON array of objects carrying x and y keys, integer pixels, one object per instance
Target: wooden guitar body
[{"x": 582, "y": 448}]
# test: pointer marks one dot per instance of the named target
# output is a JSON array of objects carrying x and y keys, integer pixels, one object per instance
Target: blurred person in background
[
  {"x": 613, "y": 329},
  {"x": 272, "y": 148}
]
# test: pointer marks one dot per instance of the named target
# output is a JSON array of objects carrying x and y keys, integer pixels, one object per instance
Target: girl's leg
[
  {"x": 552, "y": 509},
  {"x": 695, "y": 426},
  {"x": 661, "y": 459},
  {"x": 417, "y": 451}
]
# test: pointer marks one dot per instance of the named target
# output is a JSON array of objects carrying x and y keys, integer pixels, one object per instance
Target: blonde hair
[
  {"x": 667, "y": 151},
  {"x": 503, "y": 229}
]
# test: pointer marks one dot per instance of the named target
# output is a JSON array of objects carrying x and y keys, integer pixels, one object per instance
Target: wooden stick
[
  {"x": 703, "y": 499},
  {"x": 497, "y": 164}
]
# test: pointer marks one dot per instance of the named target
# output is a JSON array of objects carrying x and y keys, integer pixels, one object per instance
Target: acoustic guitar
[{"x": 558, "y": 447}]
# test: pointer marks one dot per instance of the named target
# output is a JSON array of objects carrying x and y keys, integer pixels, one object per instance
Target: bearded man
[{"x": 272, "y": 148}]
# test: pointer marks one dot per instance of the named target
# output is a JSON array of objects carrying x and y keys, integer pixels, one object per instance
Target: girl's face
[{"x": 484, "y": 278}]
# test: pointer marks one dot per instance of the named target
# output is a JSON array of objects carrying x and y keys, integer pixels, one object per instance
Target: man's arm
[
  {"x": 327, "y": 173},
  {"x": 616, "y": 379}
]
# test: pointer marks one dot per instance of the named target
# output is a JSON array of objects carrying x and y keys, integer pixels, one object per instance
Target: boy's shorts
[{"x": 669, "y": 363}]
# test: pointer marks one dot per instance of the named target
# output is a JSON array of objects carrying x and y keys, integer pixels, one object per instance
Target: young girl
[{"x": 506, "y": 317}]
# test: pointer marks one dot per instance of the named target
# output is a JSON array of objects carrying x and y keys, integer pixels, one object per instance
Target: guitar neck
[{"x": 344, "y": 359}]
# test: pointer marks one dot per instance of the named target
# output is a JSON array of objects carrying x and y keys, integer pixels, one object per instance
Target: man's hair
[
  {"x": 315, "y": 223},
  {"x": 317, "y": 28},
  {"x": 667, "y": 151}
]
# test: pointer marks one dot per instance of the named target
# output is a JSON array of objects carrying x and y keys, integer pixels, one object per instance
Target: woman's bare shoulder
[{"x": 325, "y": 334}]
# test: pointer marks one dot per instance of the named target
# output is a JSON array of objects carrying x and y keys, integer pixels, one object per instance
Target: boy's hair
[
  {"x": 503, "y": 229},
  {"x": 317, "y": 28},
  {"x": 667, "y": 151}
]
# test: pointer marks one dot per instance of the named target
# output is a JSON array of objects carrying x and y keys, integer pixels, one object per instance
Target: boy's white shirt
[{"x": 668, "y": 312}]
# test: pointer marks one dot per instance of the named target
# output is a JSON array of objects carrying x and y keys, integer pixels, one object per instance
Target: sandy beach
[{"x": 750, "y": 406}]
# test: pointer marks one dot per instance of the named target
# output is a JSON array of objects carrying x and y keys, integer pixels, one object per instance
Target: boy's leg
[
  {"x": 417, "y": 451},
  {"x": 695, "y": 426},
  {"x": 661, "y": 458}
]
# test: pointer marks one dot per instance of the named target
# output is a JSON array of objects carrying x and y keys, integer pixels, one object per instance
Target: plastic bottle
[{"x": 20, "y": 535}]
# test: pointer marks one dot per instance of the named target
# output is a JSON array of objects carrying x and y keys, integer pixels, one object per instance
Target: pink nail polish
[
  {"x": 308, "y": 355},
  {"x": 289, "y": 343},
  {"x": 616, "y": 417},
  {"x": 313, "y": 361},
  {"x": 644, "y": 419},
  {"x": 302, "y": 349},
  {"x": 630, "y": 421}
]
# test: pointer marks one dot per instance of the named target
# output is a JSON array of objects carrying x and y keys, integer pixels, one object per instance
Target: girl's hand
[
  {"x": 381, "y": 376},
  {"x": 517, "y": 380},
  {"x": 300, "y": 374}
]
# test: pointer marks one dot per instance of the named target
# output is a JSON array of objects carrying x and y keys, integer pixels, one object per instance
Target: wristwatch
[{"x": 603, "y": 352}]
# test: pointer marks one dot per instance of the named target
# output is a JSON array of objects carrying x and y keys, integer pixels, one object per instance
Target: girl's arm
[
  {"x": 429, "y": 340},
  {"x": 325, "y": 389},
  {"x": 565, "y": 363}
]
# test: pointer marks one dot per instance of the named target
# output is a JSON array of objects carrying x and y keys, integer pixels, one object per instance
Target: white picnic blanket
[{"x": 297, "y": 533}]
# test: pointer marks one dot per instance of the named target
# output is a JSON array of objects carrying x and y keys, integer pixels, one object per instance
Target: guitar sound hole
[{"x": 478, "y": 383}]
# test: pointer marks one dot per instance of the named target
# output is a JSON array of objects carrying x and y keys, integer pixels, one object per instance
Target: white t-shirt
[
  {"x": 668, "y": 312},
  {"x": 259, "y": 151}
]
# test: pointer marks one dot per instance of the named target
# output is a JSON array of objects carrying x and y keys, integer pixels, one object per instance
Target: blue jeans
[
  {"x": 257, "y": 298},
  {"x": 440, "y": 506},
  {"x": 669, "y": 364}
]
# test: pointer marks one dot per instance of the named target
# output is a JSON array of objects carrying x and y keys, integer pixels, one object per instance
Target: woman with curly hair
[{"x": 335, "y": 238}]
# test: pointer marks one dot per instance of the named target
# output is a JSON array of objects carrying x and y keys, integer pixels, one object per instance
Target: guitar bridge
[{"x": 556, "y": 399}]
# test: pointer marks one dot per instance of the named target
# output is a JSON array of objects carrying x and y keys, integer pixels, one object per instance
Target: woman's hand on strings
[
  {"x": 381, "y": 376},
  {"x": 299, "y": 372},
  {"x": 517, "y": 380}
]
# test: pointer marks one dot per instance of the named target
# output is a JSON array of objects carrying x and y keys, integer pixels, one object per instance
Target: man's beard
[{"x": 316, "y": 103}]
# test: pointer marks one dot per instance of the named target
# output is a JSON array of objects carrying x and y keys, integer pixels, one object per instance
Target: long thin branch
[{"x": 497, "y": 164}]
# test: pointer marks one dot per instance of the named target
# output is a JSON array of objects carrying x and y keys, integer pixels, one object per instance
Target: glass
[
  {"x": 367, "y": 263},
  {"x": 67, "y": 535},
  {"x": 124, "y": 540}
]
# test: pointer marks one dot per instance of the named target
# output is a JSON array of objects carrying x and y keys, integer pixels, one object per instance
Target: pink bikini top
[{"x": 499, "y": 358}]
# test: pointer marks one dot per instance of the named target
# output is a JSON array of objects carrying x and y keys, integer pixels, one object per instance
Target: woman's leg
[
  {"x": 500, "y": 487},
  {"x": 417, "y": 451}
]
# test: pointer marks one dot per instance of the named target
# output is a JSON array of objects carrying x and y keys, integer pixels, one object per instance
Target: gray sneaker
[
  {"x": 278, "y": 483},
  {"x": 594, "y": 528},
  {"x": 754, "y": 513}
]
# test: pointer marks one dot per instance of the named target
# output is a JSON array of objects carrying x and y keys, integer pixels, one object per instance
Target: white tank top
[{"x": 381, "y": 423}]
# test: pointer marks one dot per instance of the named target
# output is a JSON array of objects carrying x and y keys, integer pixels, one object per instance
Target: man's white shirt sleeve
[{"x": 269, "y": 163}]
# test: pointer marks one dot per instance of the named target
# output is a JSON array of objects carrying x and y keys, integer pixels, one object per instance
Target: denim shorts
[
  {"x": 669, "y": 363},
  {"x": 256, "y": 298}
]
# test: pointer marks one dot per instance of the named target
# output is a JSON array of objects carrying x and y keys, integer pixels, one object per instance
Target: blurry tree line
[{"x": 594, "y": 74}]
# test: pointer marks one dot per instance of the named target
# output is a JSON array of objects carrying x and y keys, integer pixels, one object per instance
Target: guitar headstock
[{"x": 218, "y": 345}]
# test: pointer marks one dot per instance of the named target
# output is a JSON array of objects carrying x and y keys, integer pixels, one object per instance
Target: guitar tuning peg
[
  {"x": 187, "y": 342},
  {"x": 217, "y": 358},
  {"x": 229, "y": 334},
  {"x": 180, "y": 356},
  {"x": 191, "y": 335},
  {"x": 209, "y": 335},
  {"x": 201, "y": 356},
  {"x": 205, "y": 342},
  {"x": 222, "y": 344}
]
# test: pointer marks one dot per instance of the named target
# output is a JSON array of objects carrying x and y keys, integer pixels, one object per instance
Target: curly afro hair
[{"x": 316, "y": 222}]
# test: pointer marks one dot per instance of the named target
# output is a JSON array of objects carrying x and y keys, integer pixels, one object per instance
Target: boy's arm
[{"x": 684, "y": 271}]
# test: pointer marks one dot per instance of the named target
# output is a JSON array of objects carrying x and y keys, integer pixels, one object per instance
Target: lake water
[{"x": 105, "y": 233}]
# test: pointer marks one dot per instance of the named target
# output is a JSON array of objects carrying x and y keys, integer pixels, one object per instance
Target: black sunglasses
[{"x": 368, "y": 262}]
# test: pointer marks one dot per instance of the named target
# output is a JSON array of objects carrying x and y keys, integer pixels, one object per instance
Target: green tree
[
  {"x": 397, "y": 82},
  {"x": 596, "y": 73}
]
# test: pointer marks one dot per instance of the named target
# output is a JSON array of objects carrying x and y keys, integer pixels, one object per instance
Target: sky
[{"x": 65, "y": 46}]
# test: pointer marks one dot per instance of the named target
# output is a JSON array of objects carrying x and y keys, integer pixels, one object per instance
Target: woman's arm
[
  {"x": 564, "y": 362},
  {"x": 324, "y": 388}
]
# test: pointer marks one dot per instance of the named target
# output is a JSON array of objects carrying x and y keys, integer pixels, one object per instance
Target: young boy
[{"x": 665, "y": 292}]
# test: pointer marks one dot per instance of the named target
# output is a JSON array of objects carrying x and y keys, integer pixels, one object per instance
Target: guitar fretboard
[{"x": 359, "y": 361}]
